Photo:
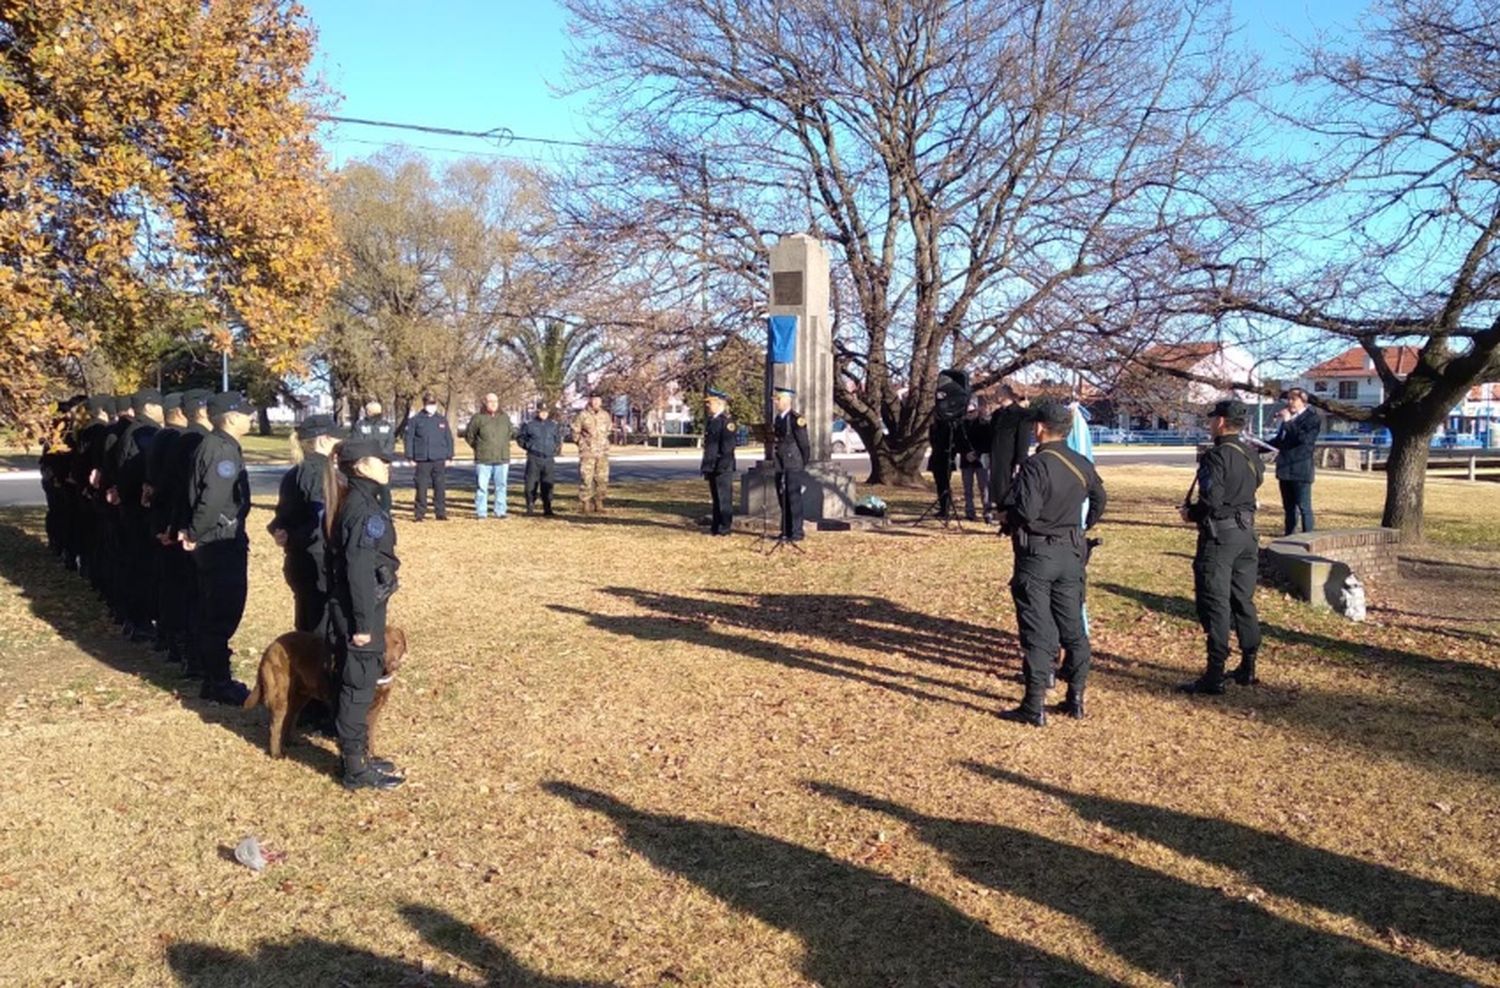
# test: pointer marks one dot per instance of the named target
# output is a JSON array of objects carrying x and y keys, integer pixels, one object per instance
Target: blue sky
[{"x": 474, "y": 65}]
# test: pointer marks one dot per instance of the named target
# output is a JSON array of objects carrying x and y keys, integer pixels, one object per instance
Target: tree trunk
[
  {"x": 898, "y": 468},
  {"x": 1405, "y": 481},
  {"x": 264, "y": 415}
]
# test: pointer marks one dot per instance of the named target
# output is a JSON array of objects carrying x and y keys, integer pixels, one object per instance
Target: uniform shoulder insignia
[
  {"x": 225, "y": 469},
  {"x": 801, "y": 422},
  {"x": 730, "y": 425},
  {"x": 374, "y": 526}
]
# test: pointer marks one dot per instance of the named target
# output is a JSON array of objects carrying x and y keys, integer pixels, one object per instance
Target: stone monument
[{"x": 799, "y": 287}]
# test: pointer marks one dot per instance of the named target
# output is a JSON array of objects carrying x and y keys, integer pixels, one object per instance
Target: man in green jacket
[{"x": 488, "y": 433}]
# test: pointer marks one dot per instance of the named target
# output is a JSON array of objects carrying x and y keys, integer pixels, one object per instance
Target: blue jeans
[
  {"x": 501, "y": 473},
  {"x": 1296, "y": 499}
]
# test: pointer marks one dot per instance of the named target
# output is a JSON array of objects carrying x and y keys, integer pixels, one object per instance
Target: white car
[{"x": 845, "y": 439}]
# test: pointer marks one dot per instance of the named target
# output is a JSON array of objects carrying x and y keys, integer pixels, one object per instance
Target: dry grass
[{"x": 639, "y": 756}]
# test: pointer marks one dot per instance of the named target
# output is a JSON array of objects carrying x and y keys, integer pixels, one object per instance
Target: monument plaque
[{"x": 786, "y": 288}]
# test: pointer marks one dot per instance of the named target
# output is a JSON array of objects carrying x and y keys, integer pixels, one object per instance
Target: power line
[{"x": 500, "y": 136}]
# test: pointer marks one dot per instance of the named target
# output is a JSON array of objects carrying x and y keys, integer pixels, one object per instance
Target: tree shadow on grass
[
  {"x": 68, "y": 604},
  {"x": 692, "y": 631},
  {"x": 1481, "y": 684},
  {"x": 1180, "y": 932},
  {"x": 1379, "y": 896},
  {"x": 310, "y": 961},
  {"x": 859, "y": 927},
  {"x": 851, "y": 620}
]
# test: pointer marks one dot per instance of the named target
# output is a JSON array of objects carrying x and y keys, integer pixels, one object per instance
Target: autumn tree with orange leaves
[{"x": 154, "y": 158}]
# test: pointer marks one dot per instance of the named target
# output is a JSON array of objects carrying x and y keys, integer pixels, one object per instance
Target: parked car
[{"x": 845, "y": 439}]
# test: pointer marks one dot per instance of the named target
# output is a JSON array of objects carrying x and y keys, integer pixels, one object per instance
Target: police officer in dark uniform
[
  {"x": 156, "y": 495},
  {"x": 1010, "y": 438},
  {"x": 1051, "y": 552},
  {"x": 541, "y": 438},
  {"x": 80, "y": 482},
  {"x": 57, "y": 451},
  {"x": 298, "y": 524},
  {"x": 218, "y": 503},
  {"x": 362, "y": 567},
  {"x": 791, "y": 453},
  {"x": 719, "y": 435},
  {"x": 943, "y": 442},
  {"x": 429, "y": 445},
  {"x": 107, "y": 508},
  {"x": 137, "y": 555},
  {"x": 180, "y": 578},
  {"x": 1225, "y": 565}
]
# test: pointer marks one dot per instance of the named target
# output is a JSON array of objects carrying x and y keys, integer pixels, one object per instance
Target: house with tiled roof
[{"x": 1351, "y": 379}]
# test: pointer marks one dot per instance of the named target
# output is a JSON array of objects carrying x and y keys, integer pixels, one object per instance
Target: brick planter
[{"x": 1314, "y": 565}]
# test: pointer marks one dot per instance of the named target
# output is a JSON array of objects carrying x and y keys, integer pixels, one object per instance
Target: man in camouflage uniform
[{"x": 591, "y": 432}]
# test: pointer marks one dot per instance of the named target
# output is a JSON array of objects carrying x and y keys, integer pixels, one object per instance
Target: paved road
[{"x": 24, "y": 489}]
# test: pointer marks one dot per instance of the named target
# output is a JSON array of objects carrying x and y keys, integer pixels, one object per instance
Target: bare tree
[
  {"x": 987, "y": 172},
  {"x": 1388, "y": 230}
]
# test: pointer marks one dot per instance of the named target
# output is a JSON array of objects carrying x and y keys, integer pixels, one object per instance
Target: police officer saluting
[
  {"x": 719, "y": 434},
  {"x": 1043, "y": 509},
  {"x": 792, "y": 451},
  {"x": 1224, "y": 567},
  {"x": 215, "y": 536},
  {"x": 362, "y": 567}
]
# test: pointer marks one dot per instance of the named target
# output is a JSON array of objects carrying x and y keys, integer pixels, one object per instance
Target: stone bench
[{"x": 1315, "y": 565}]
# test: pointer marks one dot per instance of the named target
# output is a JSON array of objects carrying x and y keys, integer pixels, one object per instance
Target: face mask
[{"x": 430, "y": 409}]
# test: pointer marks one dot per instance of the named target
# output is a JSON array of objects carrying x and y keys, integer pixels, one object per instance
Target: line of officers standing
[
  {"x": 147, "y": 498},
  {"x": 1057, "y": 496}
]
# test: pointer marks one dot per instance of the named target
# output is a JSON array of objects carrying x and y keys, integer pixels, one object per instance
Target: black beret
[
  {"x": 194, "y": 400},
  {"x": 123, "y": 404},
  {"x": 229, "y": 401},
  {"x": 171, "y": 401},
  {"x": 144, "y": 397},
  {"x": 101, "y": 403},
  {"x": 1051, "y": 413},
  {"x": 356, "y": 448},
  {"x": 317, "y": 425},
  {"x": 1230, "y": 410}
]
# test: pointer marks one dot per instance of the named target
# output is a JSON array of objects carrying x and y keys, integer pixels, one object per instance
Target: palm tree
[{"x": 555, "y": 355}]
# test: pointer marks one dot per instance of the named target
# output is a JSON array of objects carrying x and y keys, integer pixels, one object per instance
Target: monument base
[{"x": 828, "y": 497}]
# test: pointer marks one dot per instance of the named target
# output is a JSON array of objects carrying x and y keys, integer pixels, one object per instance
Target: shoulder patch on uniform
[
  {"x": 225, "y": 469},
  {"x": 801, "y": 422},
  {"x": 730, "y": 425},
  {"x": 374, "y": 526}
]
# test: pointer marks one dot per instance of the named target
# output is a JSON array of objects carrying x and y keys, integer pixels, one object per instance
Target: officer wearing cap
[
  {"x": 791, "y": 453},
  {"x": 101, "y": 409},
  {"x": 156, "y": 496},
  {"x": 137, "y": 553},
  {"x": 541, "y": 438},
  {"x": 57, "y": 451},
  {"x": 1043, "y": 508},
  {"x": 107, "y": 508},
  {"x": 179, "y": 591},
  {"x": 718, "y": 466},
  {"x": 296, "y": 525},
  {"x": 429, "y": 445},
  {"x": 1225, "y": 564},
  {"x": 373, "y": 425},
  {"x": 215, "y": 536},
  {"x": 362, "y": 565}
]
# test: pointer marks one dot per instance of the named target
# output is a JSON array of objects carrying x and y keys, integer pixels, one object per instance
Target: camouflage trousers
[{"x": 593, "y": 480}]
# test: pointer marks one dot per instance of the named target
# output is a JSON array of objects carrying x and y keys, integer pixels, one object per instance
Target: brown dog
[{"x": 297, "y": 667}]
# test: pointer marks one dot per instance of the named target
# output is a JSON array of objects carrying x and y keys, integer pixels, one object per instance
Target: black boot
[
  {"x": 547, "y": 500},
  {"x": 1073, "y": 705},
  {"x": 359, "y": 773},
  {"x": 1020, "y": 715},
  {"x": 1244, "y": 673},
  {"x": 1205, "y": 685},
  {"x": 229, "y": 692}
]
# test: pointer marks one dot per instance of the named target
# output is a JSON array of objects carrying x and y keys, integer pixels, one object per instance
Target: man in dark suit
[
  {"x": 719, "y": 434},
  {"x": 792, "y": 451},
  {"x": 1296, "y": 442},
  {"x": 1010, "y": 438},
  {"x": 429, "y": 445}
]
